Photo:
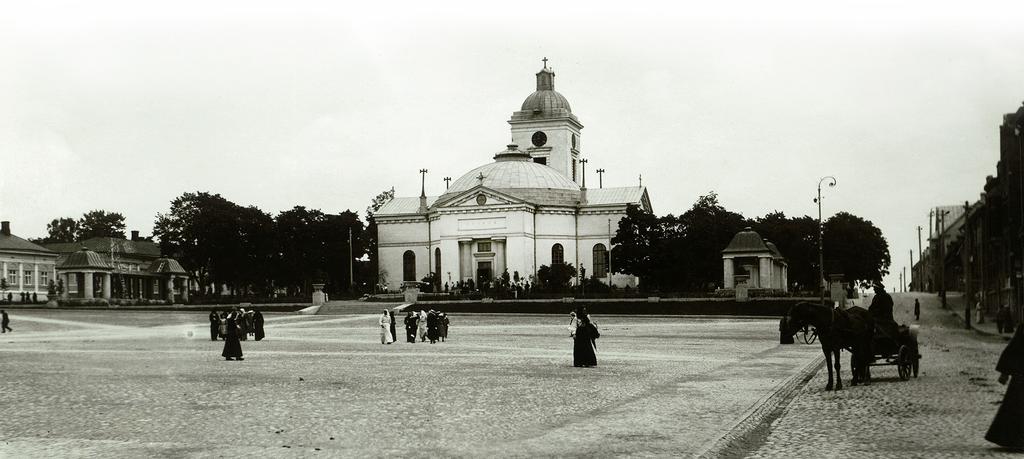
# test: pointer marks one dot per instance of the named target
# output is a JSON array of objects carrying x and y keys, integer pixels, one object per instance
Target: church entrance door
[{"x": 483, "y": 273}]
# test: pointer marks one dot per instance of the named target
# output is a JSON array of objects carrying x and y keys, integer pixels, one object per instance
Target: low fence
[{"x": 763, "y": 307}]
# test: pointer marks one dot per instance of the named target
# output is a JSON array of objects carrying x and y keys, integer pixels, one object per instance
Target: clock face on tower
[{"x": 539, "y": 139}]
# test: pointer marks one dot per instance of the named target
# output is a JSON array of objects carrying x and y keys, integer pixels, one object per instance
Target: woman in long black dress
[
  {"x": 584, "y": 345},
  {"x": 214, "y": 325},
  {"x": 232, "y": 347},
  {"x": 257, "y": 323},
  {"x": 1007, "y": 428}
]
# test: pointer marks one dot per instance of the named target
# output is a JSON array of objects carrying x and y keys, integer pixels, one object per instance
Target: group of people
[
  {"x": 584, "y": 334},
  {"x": 235, "y": 326},
  {"x": 432, "y": 325}
]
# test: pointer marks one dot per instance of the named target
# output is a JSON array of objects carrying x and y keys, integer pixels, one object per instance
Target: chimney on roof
[
  {"x": 135, "y": 235},
  {"x": 5, "y": 228}
]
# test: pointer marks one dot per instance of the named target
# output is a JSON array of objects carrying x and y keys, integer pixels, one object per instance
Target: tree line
[
  {"x": 684, "y": 253},
  {"x": 248, "y": 250}
]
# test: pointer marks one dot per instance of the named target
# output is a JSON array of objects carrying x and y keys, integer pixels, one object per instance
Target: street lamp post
[{"x": 821, "y": 236}]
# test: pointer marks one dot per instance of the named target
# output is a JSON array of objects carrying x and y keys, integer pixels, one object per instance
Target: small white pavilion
[{"x": 750, "y": 260}]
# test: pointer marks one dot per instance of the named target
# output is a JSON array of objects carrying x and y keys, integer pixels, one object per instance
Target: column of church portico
[
  {"x": 727, "y": 269},
  {"x": 106, "y": 285},
  {"x": 785, "y": 278},
  {"x": 765, "y": 272},
  {"x": 87, "y": 290}
]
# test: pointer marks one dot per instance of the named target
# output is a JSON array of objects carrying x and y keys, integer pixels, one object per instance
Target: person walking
[
  {"x": 421, "y": 331},
  {"x": 214, "y": 325},
  {"x": 584, "y": 351},
  {"x": 391, "y": 315},
  {"x": 385, "y": 329},
  {"x": 444, "y": 327},
  {"x": 1003, "y": 319},
  {"x": 410, "y": 327},
  {"x": 1007, "y": 429},
  {"x": 232, "y": 347},
  {"x": 5, "y": 322},
  {"x": 917, "y": 309},
  {"x": 257, "y": 323}
]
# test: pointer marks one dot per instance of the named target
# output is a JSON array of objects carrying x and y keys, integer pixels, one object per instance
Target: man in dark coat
[
  {"x": 257, "y": 323},
  {"x": 5, "y": 322},
  {"x": 1007, "y": 428},
  {"x": 917, "y": 309},
  {"x": 410, "y": 327},
  {"x": 881, "y": 312},
  {"x": 433, "y": 327},
  {"x": 214, "y": 325}
]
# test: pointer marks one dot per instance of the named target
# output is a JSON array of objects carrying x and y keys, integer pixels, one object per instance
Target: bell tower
[{"x": 547, "y": 129}]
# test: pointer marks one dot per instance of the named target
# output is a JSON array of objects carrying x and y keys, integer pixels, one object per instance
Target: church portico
[{"x": 525, "y": 209}]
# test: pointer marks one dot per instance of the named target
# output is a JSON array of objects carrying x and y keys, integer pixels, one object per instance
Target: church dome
[
  {"x": 547, "y": 100},
  {"x": 514, "y": 172}
]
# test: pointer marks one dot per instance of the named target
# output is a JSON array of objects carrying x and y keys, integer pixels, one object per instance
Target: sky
[{"x": 124, "y": 106}]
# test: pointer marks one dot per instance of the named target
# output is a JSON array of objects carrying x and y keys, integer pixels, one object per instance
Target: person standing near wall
[{"x": 917, "y": 309}]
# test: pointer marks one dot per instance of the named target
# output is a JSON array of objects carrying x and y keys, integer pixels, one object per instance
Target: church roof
[
  {"x": 399, "y": 206},
  {"x": 620, "y": 195},
  {"x": 545, "y": 102},
  {"x": 746, "y": 241},
  {"x": 514, "y": 173}
]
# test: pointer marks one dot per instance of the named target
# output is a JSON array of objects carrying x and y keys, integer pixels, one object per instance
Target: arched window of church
[
  {"x": 557, "y": 254},
  {"x": 409, "y": 266},
  {"x": 437, "y": 262},
  {"x": 600, "y": 261}
]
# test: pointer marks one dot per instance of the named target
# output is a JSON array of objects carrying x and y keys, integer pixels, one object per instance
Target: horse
[{"x": 838, "y": 329}]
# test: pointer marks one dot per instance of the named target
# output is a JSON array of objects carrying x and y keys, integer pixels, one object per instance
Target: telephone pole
[{"x": 911, "y": 270}]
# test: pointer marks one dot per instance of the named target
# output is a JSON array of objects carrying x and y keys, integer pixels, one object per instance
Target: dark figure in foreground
[
  {"x": 391, "y": 314},
  {"x": 881, "y": 312},
  {"x": 838, "y": 329},
  {"x": 214, "y": 325},
  {"x": 584, "y": 349},
  {"x": 1003, "y": 319},
  {"x": 917, "y": 309},
  {"x": 1007, "y": 428},
  {"x": 444, "y": 327},
  {"x": 232, "y": 347},
  {"x": 257, "y": 323},
  {"x": 410, "y": 327},
  {"x": 433, "y": 327},
  {"x": 6, "y": 322},
  {"x": 784, "y": 336}
]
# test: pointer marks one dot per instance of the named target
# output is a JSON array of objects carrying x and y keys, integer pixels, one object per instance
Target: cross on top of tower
[{"x": 545, "y": 62}]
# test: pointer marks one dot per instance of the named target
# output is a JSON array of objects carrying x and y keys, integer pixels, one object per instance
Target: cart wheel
[{"x": 903, "y": 363}]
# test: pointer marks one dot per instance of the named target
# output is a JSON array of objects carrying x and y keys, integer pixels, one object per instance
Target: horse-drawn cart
[{"x": 901, "y": 351}]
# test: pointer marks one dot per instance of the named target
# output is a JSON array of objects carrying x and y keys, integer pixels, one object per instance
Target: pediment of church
[{"x": 479, "y": 196}]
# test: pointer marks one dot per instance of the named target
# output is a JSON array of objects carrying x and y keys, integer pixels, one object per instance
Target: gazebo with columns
[
  {"x": 88, "y": 274},
  {"x": 751, "y": 260}
]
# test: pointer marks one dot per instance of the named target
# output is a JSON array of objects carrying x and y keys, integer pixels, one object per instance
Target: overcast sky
[{"x": 123, "y": 107}]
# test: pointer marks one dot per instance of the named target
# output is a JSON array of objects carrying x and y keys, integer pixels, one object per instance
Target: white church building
[{"x": 525, "y": 209}]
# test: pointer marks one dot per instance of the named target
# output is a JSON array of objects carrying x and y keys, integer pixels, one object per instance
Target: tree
[
  {"x": 555, "y": 278},
  {"x": 797, "y": 239},
  {"x": 855, "y": 248},
  {"x": 638, "y": 243},
  {"x": 100, "y": 223},
  {"x": 372, "y": 267},
  {"x": 707, "y": 229},
  {"x": 64, "y": 229}
]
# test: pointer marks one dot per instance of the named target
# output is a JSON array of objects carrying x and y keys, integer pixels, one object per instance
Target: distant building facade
[{"x": 26, "y": 267}]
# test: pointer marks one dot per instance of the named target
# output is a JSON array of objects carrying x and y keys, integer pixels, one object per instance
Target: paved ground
[
  {"x": 130, "y": 384},
  {"x": 943, "y": 413}
]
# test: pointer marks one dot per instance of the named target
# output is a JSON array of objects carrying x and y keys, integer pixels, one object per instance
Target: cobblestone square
[{"x": 129, "y": 384}]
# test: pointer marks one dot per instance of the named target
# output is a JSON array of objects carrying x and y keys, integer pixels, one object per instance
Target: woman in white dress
[
  {"x": 385, "y": 329},
  {"x": 421, "y": 332}
]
